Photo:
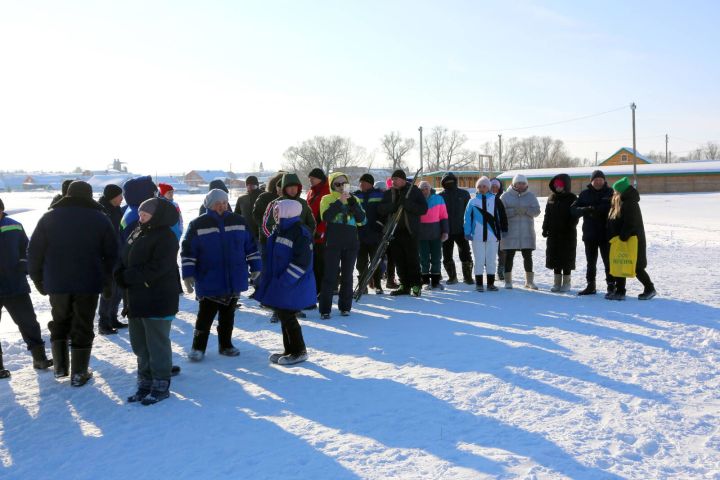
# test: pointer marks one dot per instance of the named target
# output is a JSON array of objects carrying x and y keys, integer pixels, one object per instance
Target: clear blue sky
[{"x": 171, "y": 86}]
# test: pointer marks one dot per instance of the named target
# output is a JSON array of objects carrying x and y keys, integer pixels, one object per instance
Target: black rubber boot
[
  {"x": 589, "y": 290},
  {"x": 479, "y": 283},
  {"x": 159, "y": 391},
  {"x": 79, "y": 362},
  {"x": 61, "y": 357},
  {"x": 452, "y": 273},
  {"x": 467, "y": 271},
  {"x": 491, "y": 283},
  {"x": 40, "y": 360}
]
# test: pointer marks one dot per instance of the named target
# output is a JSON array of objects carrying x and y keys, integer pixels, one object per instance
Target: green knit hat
[{"x": 621, "y": 185}]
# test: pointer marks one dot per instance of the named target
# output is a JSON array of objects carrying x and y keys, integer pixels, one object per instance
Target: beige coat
[{"x": 521, "y": 209}]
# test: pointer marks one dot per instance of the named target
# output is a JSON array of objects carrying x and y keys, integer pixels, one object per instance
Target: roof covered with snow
[{"x": 682, "y": 168}]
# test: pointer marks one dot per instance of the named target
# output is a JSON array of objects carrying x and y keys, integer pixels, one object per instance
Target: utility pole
[
  {"x": 500, "y": 151},
  {"x": 633, "y": 107},
  {"x": 596, "y": 158},
  {"x": 667, "y": 158},
  {"x": 421, "y": 149}
]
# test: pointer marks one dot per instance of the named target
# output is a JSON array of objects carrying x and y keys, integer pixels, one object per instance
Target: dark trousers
[
  {"x": 150, "y": 340},
  {"x": 501, "y": 261},
  {"x": 407, "y": 258},
  {"x": 365, "y": 254},
  {"x": 527, "y": 259},
  {"x": 338, "y": 258},
  {"x": 293, "y": 341},
  {"x": 318, "y": 265},
  {"x": 226, "y": 320},
  {"x": 640, "y": 274},
  {"x": 448, "y": 247},
  {"x": 73, "y": 316},
  {"x": 108, "y": 308},
  {"x": 591, "y": 254},
  {"x": 21, "y": 310}
]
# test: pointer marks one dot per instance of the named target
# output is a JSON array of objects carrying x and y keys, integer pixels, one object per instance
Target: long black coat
[
  {"x": 148, "y": 271},
  {"x": 560, "y": 227},
  {"x": 414, "y": 206},
  {"x": 456, "y": 200},
  {"x": 73, "y": 248},
  {"x": 593, "y": 206},
  {"x": 629, "y": 223}
]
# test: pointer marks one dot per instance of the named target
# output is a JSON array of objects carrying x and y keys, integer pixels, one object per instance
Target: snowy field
[{"x": 455, "y": 384}]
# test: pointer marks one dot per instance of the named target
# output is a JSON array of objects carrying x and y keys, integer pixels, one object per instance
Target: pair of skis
[{"x": 388, "y": 233}]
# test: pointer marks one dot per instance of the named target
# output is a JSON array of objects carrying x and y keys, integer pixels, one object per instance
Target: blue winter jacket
[
  {"x": 371, "y": 231},
  {"x": 135, "y": 191},
  {"x": 216, "y": 252},
  {"x": 74, "y": 248},
  {"x": 13, "y": 258},
  {"x": 287, "y": 281}
]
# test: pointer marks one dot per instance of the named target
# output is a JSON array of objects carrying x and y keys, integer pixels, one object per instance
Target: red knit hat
[{"x": 164, "y": 188}]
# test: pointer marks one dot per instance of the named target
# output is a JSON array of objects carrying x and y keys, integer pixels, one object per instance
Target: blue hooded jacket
[
  {"x": 13, "y": 258},
  {"x": 135, "y": 191}
]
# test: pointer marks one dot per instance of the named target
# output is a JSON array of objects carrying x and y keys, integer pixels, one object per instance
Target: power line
[{"x": 547, "y": 124}]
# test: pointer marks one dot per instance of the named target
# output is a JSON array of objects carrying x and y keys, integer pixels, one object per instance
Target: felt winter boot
[
  {"x": 530, "y": 281},
  {"x": 491, "y": 283},
  {"x": 479, "y": 283},
  {"x": 467, "y": 270},
  {"x": 3, "y": 373},
  {"x": 452, "y": 273},
  {"x": 160, "y": 390},
  {"x": 557, "y": 283},
  {"x": 565, "y": 287},
  {"x": 79, "y": 362},
  {"x": 61, "y": 357},
  {"x": 40, "y": 360},
  {"x": 508, "y": 280},
  {"x": 200, "y": 340}
]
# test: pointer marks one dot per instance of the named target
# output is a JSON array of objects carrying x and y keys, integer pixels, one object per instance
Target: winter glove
[
  {"x": 624, "y": 238},
  {"x": 443, "y": 237},
  {"x": 40, "y": 287},
  {"x": 589, "y": 210},
  {"x": 124, "y": 311},
  {"x": 189, "y": 284},
  {"x": 520, "y": 210},
  {"x": 352, "y": 201},
  {"x": 468, "y": 238},
  {"x": 545, "y": 233}
]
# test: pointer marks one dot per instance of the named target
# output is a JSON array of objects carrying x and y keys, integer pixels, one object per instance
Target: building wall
[{"x": 623, "y": 157}]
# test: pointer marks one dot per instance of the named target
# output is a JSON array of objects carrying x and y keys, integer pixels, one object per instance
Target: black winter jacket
[
  {"x": 73, "y": 248},
  {"x": 456, "y": 200},
  {"x": 414, "y": 206},
  {"x": 560, "y": 227},
  {"x": 148, "y": 271},
  {"x": 629, "y": 223},
  {"x": 593, "y": 205}
]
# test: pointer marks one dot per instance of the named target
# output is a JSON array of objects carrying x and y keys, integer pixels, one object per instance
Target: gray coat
[{"x": 521, "y": 225}]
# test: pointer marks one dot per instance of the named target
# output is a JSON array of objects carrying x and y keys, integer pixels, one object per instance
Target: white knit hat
[
  {"x": 519, "y": 178},
  {"x": 424, "y": 184},
  {"x": 288, "y": 209},
  {"x": 483, "y": 181}
]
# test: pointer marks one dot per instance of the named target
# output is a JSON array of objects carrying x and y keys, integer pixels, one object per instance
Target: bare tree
[
  {"x": 445, "y": 150},
  {"x": 395, "y": 148},
  {"x": 328, "y": 153}
]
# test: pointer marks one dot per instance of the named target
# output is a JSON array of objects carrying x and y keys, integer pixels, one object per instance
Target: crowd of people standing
[{"x": 297, "y": 253}]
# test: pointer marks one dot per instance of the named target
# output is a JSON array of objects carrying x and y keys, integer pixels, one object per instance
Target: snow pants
[
  {"x": 150, "y": 341},
  {"x": 73, "y": 317},
  {"x": 485, "y": 254},
  {"x": 404, "y": 249},
  {"x": 338, "y": 258},
  {"x": 293, "y": 341},
  {"x": 108, "y": 308},
  {"x": 21, "y": 311},
  {"x": 365, "y": 254},
  {"x": 226, "y": 320},
  {"x": 430, "y": 256},
  {"x": 591, "y": 254},
  {"x": 463, "y": 245}
]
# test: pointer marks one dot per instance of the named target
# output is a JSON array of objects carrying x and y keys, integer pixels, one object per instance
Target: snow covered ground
[{"x": 455, "y": 384}]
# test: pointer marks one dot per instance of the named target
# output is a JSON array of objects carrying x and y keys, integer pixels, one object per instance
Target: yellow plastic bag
[{"x": 623, "y": 256}]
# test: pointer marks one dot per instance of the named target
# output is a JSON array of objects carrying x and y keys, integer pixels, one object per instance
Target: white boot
[
  {"x": 565, "y": 283},
  {"x": 557, "y": 283},
  {"x": 508, "y": 280},
  {"x": 530, "y": 281}
]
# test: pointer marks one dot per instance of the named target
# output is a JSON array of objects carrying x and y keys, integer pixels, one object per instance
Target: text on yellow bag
[{"x": 623, "y": 256}]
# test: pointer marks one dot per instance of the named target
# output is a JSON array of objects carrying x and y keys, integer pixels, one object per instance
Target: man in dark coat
[
  {"x": 63, "y": 191},
  {"x": 245, "y": 204},
  {"x": 108, "y": 322},
  {"x": 560, "y": 229},
  {"x": 456, "y": 200},
  {"x": 15, "y": 291},
  {"x": 274, "y": 190},
  {"x": 624, "y": 221},
  {"x": 71, "y": 256},
  {"x": 593, "y": 205},
  {"x": 405, "y": 244},
  {"x": 149, "y": 276},
  {"x": 370, "y": 233}
]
